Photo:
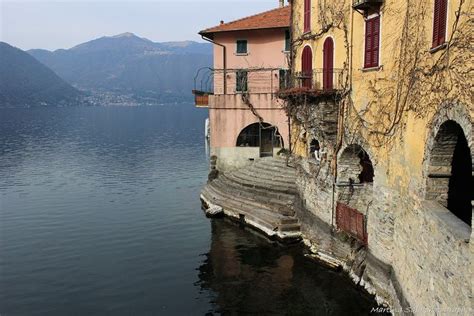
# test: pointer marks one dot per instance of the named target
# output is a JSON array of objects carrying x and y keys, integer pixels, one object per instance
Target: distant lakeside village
[{"x": 349, "y": 125}]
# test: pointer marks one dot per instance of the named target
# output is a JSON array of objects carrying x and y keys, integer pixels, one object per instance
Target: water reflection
[{"x": 250, "y": 275}]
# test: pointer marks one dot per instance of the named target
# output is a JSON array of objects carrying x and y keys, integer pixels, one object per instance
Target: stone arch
[
  {"x": 450, "y": 135},
  {"x": 450, "y": 171},
  {"x": 355, "y": 165},
  {"x": 262, "y": 135}
]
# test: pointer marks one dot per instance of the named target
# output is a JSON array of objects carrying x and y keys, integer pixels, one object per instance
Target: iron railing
[
  {"x": 235, "y": 81},
  {"x": 365, "y": 4},
  {"x": 209, "y": 81},
  {"x": 316, "y": 80}
]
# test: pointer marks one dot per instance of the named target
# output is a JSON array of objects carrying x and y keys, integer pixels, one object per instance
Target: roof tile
[{"x": 276, "y": 18}]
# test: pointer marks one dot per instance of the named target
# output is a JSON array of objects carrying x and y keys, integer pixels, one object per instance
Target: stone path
[{"x": 262, "y": 195}]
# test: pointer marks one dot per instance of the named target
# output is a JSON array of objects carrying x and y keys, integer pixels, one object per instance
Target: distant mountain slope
[
  {"x": 25, "y": 81},
  {"x": 129, "y": 64}
]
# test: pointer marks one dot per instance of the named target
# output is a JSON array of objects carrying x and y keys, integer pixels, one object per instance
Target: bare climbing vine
[{"x": 419, "y": 82}]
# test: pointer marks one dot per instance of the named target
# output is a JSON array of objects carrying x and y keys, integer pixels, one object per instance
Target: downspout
[
  {"x": 224, "y": 51},
  {"x": 291, "y": 70}
]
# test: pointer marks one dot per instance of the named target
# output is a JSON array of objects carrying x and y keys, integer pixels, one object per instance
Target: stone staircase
[{"x": 262, "y": 195}]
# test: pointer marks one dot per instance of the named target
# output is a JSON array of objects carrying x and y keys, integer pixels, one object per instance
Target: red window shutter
[
  {"x": 375, "y": 41},
  {"x": 307, "y": 67},
  {"x": 443, "y": 14},
  {"x": 307, "y": 15},
  {"x": 368, "y": 44},
  {"x": 436, "y": 22},
  {"x": 439, "y": 22},
  {"x": 372, "y": 39}
]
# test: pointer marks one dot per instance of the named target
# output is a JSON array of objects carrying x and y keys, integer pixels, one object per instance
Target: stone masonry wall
[{"x": 418, "y": 259}]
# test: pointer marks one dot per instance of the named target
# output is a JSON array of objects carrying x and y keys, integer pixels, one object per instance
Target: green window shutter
[
  {"x": 287, "y": 41},
  {"x": 242, "y": 47},
  {"x": 241, "y": 83}
]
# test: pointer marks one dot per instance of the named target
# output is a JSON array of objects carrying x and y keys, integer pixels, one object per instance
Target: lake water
[{"x": 100, "y": 215}]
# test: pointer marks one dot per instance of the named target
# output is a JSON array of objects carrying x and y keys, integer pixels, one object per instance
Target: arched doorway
[
  {"x": 328, "y": 64},
  {"x": 450, "y": 180},
  {"x": 355, "y": 177},
  {"x": 307, "y": 67},
  {"x": 262, "y": 135},
  {"x": 355, "y": 165}
]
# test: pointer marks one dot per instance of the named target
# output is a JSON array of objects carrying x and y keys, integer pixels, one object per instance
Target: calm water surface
[{"x": 100, "y": 215}]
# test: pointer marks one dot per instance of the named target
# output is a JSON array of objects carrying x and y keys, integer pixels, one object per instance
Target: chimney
[{"x": 282, "y": 3}]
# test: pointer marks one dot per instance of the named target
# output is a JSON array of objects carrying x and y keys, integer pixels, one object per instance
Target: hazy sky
[{"x": 54, "y": 24}]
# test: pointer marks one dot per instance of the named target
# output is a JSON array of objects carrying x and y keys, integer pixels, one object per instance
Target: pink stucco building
[{"x": 251, "y": 61}]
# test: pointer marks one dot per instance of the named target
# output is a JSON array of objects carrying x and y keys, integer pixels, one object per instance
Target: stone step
[
  {"x": 261, "y": 194},
  {"x": 268, "y": 176},
  {"x": 274, "y": 163},
  {"x": 265, "y": 213},
  {"x": 253, "y": 182},
  {"x": 283, "y": 197},
  {"x": 251, "y": 201},
  {"x": 268, "y": 219},
  {"x": 284, "y": 207}
]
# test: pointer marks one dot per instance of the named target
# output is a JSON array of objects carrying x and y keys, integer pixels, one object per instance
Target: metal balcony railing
[
  {"x": 209, "y": 81},
  {"x": 320, "y": 81},
  {"x": 203, "y": 86},
  {"x": 366, "y": 4}
]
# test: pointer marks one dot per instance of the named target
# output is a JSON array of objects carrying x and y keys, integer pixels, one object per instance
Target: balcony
[
  {"x": 316, "y": 83},
  {"x": 203, "y": 87},
  {"x": 210, "y": 82},
  {"x": 366, "y": 4}
]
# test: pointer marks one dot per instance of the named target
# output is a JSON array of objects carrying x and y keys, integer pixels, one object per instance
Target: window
[
  {"x": 287, "y": 41},
  {"x": 372, "y": 38},
  {"x": 242, "y": 47},
  {"x": 439, "y": 22},
  {"x": 284, "y": 79},
  {"x": 241, "y": 81},
  {"x": 307, "y": 16}
]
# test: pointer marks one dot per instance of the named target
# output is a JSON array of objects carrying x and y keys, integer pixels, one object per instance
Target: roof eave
[{"x": 210, "y": 34}]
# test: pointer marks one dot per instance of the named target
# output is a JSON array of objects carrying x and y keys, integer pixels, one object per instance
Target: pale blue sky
[{"x": 57, "y": 24}]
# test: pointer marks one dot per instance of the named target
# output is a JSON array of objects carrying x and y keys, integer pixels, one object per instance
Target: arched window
[
  {"x": 261, "y": 135},
  {"x": 450, "y": 180},
  {"x": 307, "y": 67}
]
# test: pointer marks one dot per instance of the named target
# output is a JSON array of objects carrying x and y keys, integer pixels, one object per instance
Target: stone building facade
[{"x": 382, "y": 127}]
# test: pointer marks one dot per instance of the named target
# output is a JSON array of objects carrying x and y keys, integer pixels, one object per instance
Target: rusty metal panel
[
  {"x": 351, "y": 221},
  {"x": 202, "y": 100}
]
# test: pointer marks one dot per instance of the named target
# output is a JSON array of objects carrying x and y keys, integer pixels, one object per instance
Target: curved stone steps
[
  {"x": 285, "y": 177},
  {"x": 271, "y": 172},
  {"x": 264, "y": 217},
  {"x": 262, "y": 195},
  {"x": 284, "y": 207},
  {"x": 272, "y": 165},
  {"x": 255, "y": 182},
  {"x": 279, "y": 198}
]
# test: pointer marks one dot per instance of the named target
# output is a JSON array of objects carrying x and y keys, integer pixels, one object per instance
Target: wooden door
[
  {"x": 328, "y": 64},
  {"x": 307, "y": 67}
]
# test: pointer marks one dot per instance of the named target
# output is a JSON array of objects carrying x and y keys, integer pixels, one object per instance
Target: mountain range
[
  {"x": 126, "y": 64},
  {"x": 24, "y": 81}
]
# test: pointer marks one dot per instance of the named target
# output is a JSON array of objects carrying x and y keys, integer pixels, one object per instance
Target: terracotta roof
[{"x": 276, "y": 18}]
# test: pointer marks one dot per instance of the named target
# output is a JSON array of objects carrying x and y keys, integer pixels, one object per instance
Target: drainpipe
[
  {"x": 224, "y": 51},
  {"x": 290, "y": 61}
]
